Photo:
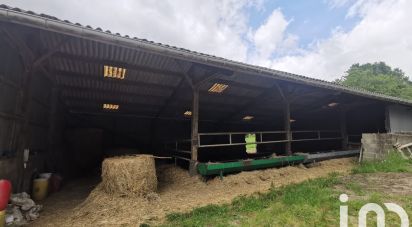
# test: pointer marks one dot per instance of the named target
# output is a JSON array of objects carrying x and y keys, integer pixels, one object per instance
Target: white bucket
[{"x": 45, "y": 175}]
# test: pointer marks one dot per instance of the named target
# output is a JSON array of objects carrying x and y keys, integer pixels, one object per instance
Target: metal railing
[
  {"x": 354, "y": 139},
  {"x": 315, "y": 135},
  {"x": 181, "y": 148},
  {"x": 178, "y": 151}
]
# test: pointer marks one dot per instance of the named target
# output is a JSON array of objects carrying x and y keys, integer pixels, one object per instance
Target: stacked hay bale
[{"x": 129, "y": 175}]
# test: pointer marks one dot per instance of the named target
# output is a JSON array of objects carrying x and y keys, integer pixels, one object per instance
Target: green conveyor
[{"x": 206, "y": 169}]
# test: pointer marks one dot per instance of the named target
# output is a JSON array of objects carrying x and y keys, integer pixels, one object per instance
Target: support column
[
  {"x": 343, "y": 129},
  {"x": 287, "y": 127},
  {"x": 53, "y": 118},
  {"x": 24, "y": 133},
  {"x": 195, "y": 131}
]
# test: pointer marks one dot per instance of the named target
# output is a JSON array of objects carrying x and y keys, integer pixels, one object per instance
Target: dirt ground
[
  {"x": 78, "y": 204},
  {"x": 388, "y": 183}
]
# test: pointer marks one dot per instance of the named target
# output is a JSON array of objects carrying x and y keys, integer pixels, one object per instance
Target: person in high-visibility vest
[{"x": 251, "y": 146}]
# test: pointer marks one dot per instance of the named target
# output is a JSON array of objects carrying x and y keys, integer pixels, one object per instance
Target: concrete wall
[
  {"x": 377, "y": 145},
  {"x": 400, "y": 118}
]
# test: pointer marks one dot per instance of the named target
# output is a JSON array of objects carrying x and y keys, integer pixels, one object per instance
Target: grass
[
  {"x": 310, "y": 203},
  {"x": 393, "y": 163}
]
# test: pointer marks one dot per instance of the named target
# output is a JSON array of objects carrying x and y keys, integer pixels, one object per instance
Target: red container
[
  {"x": 55, "y": 183},
  {"x": 5, "y": 190}
]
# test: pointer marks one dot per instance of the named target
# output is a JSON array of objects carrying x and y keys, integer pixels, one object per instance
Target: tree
[{"x": 378, "y": 77}]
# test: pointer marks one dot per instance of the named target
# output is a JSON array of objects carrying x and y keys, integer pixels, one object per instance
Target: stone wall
[{"x": 377, "y": 145}]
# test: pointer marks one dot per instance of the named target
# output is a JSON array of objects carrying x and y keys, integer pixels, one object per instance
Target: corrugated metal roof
[{"x": 78, "y": 65}]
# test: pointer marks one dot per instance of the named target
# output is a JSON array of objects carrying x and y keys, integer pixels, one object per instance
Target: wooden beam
[
  {"x": 99, "y": 89},
  {"x": 16, "y": 43},
  {"x": 99, "y": 78},
  {"x": 343, "y": 128},
  {"x": 8, "y": 82},
  {"x": 53, "y": 118},
  {"x": 286, "y": 118},
  {"x": 280, "y": 91},
  {"x": 176, "y": 91},
  {"x": 232, "y": 83},
  {"x": 136, "y": 85},
  {"x": 24, "y": 133},
  {"x": 207, "y": 78},
  {"x": 185, "y": 73},
  {"x": 10, "y": 116},
  {"x": 41, "y": 59},
  {"x": 98, "y": 102},
  {"x": 81, "y": 112},
  {"x": 304, "y": 95},
  {"x": 86, "y": 94},
  {"x": 194, "y": 132},
  {"x": 287, "y": 128},
  {"x": 183, "y": 103},
  {"x": 25, "y": 51},
  {"x": 317, "y": 104},
  {"x": 250, "y": 104}
]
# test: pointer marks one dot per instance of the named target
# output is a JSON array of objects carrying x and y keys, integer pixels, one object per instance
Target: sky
[{"x": 316, "y": 38}]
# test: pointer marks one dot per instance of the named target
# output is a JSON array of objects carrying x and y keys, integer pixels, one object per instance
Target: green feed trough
[{"x": 207, "y": 169}]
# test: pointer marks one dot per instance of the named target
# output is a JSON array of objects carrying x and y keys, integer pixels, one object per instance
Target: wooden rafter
[
  {"x": 78, "y": 58},
  {"x": 102, "y": 90},
  {"x": 27, "y": 52},
  {"x": 99, "y": 78},
  {"x": 175, "y": 92},
  {"x": 186, "y": 76},
  {"x": 41, "y": 59},
  {"x": 250, "y": 104}
]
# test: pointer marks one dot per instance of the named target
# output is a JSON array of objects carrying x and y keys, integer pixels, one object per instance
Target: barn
[{"x": 72, "y": 95}]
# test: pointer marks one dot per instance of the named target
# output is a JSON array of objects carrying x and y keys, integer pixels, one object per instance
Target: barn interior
[{"x": 73, "y": 95}]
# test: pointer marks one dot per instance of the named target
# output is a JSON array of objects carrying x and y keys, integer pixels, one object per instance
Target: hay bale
[{"x": 129, "y": 175}]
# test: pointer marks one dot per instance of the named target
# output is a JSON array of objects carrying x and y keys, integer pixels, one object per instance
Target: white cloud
[
  {"x": 270, "y": 34},
  {"x": 270, "y": 38},
  {"x": 384, "y": 33},
  {"x": 221, "y": 28},
  {"x": 214, "y": 27},
  {"x": 336, "y": 3}
]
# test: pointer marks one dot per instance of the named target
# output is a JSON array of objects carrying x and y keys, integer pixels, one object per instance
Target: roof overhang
[{"x": 234, "y": 73}]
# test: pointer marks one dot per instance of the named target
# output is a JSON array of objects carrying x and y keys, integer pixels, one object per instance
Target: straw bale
[{"x": 129, "y": 175}]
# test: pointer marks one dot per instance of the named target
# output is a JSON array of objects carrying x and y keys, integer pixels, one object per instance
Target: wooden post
[
  {"x": 53, "y": 118},
  {"x": 287, "y": 127},
  {"x": 343, "y": 129},
  {"x": 24, "y": 131},
  {"x": 195, "y": 131}
]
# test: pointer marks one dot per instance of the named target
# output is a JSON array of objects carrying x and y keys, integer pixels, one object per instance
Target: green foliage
[
  {"x": 311, "y": 203},
  {"x": 200, "y": 216},
  {"x": 378, "y": 77},
  {"x": 355, "y": 187},
  {"x": 393, "y": 163}
]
